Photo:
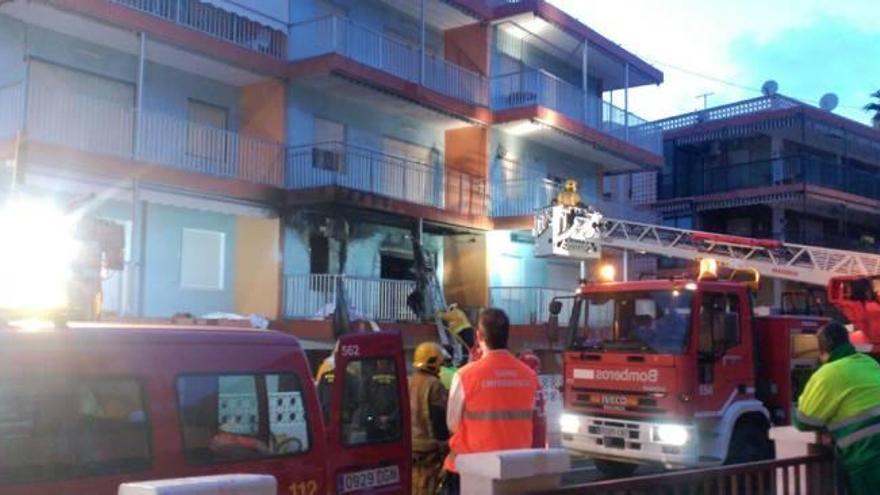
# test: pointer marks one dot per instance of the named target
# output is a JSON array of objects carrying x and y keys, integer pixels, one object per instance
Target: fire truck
[{"x": 683, "y": 372}]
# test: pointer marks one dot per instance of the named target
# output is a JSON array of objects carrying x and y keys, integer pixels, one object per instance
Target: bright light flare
[
  {"x": 708, "y": 269},
  {"x": 607, "y": 272},
  {"x": 675, "y": 435},
  {"x": 36, "y": 253},
  {"x": 569, "y": 423}
]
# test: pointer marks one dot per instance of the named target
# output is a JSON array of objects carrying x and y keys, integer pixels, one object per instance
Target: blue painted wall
[
  {"x": 530, "y": 155},
  {"x": 163, "y": 294},
  {"x": 11, "y": 50}
]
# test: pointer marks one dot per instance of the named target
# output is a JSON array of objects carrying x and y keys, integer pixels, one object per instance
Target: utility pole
[{"x": 705, "y": 97}]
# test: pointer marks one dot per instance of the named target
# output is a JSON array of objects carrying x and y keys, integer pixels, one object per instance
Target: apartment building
[
  {"x": 772, "y": 167},
  {"x": 258, "y": 153}
]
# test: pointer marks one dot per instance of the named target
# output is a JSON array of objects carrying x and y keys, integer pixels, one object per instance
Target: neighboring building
[
  {"x": 772, "y": 167},
  {"x": 256, "y": 156}
]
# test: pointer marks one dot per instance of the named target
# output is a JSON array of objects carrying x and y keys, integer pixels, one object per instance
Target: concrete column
[
  {"x": 512, "y": 472},
  {"x": 585, "y": 80},
  {"x": 138, "y": 237},
  {"x": 626, "y": 100},
  {"x": 422, "y": 43}
]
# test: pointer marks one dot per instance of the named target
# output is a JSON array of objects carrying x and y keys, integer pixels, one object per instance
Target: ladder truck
[{"x": 682, "y": 373}]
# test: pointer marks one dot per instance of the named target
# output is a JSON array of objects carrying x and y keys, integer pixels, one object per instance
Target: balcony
[
  {"x": 94, "y": 125},
  {"x": 364, "y": 169},
  {"x": 530, "y": 305},
  {"x": 781, "y": 171},
  {"x": 524, "y": 195},
  {"x": 537, "y": 87},
  {"x": 313, "y": 296},
  {"x": 215, "y": 22},
  {"x": 341, "y": 36}
]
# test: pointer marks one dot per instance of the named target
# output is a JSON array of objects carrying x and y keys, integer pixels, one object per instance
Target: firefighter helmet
[{"x": 428, "y": 357}]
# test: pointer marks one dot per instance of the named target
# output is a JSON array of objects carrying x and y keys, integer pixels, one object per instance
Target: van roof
[{"x": 152, "y": 333}]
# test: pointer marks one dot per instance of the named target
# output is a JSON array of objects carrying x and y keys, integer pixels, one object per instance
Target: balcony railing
[
  {"x": 754, "y": 105},
  {"x": 313, "y": 296},
  {"x": 216, "y": 22},
  {"x": 374, "y": 49},
  {"x": 11, "y": 109},
  {"x": 530, "y": 305},
  {"x": 538, "y": 87},
  {"x": 100, "y": 126},
  {"x": 780, "y": 171},
  {"x": 363, "y": 169},
  {"x": 524, "y": 195}
]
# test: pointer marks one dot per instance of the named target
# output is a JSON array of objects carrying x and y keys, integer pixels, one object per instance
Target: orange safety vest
[{"x": 499, "y": 401}]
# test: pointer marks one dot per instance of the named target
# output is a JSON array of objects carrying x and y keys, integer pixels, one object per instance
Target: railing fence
[{"x": 314, "y": 296}]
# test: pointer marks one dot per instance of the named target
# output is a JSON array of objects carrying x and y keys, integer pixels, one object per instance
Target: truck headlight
[
  {"x": 569, "y": 423},
  {"x": 675, "y": 435}
]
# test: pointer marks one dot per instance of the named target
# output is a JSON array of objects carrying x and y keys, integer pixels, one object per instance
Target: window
[
  {"x": 319, "y": 253},
  {"x": 719, "y": 323},
  {"x": 240, "y": 417},
  {"x": 396, "y": 267},
  {"x": 54, "y": 428},
  {"x": 371, "y": 402},
  {"x": 206, "y": 132},
  {"x": 202, "y": 259}
]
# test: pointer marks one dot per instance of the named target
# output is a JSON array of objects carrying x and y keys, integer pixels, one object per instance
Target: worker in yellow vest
[{"x": 843, "y": 397}]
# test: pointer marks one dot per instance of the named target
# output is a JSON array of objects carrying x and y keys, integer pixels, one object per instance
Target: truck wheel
[
  {"x": 614, "y": 469},
  {"x": 750, "y": 442}
]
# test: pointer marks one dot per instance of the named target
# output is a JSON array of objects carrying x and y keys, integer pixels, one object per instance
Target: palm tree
[{"x": 874, "y": 106}]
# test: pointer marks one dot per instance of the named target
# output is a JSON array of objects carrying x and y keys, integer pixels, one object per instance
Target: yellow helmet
[{"x": 428, "y": 357}]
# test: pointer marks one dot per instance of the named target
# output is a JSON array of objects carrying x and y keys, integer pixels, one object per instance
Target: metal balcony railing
[
  {"x": 779, "y": 171},
  {"x": 530, "y": 192},
  {"x": 99, "y": 126},
  {"x": 364, "y": 169},
  {"x": 539, "y": 87},
  {"x": 530, "y": 305},
  {"x": 313, "y": 296},
  {"x": 216, "y": 22},
  {"x": 11, "y": 109},
  {"x": 745, "y": 107},
  {"x": 374, "y": 49}
]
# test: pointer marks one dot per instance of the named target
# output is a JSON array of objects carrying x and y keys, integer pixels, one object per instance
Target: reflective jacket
[
  {"x": 456, "y": 320},
  {"x": 491, "y": 406},
  {"x": 843, "y": 396},
  {"x": 427, "y": 405}
]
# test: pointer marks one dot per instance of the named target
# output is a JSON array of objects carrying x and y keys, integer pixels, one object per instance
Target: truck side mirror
[{"x": 555, "y": 308}]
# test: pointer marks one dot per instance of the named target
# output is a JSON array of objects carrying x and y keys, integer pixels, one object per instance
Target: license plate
[
  {"x": 609, "y": 431},
  {"x": 369, "y": 478}
]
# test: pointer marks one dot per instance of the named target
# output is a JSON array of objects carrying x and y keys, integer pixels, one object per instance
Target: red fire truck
[{"x": 682, "y": 373}]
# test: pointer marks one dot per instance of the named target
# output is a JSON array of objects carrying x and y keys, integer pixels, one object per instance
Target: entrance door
[{"x": 369, "y": 432}]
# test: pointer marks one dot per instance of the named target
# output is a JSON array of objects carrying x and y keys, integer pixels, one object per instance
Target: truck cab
[
  {"x": 86, "y": 407},
  {"x": 672, "y": 372}
]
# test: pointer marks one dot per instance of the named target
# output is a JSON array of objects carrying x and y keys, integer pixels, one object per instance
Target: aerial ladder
[{"x": 851, "y": 278}]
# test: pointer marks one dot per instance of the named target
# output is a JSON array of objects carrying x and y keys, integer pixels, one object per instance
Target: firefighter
[
  {"x": 843, "y": 397},
  {"x": 324, "y": 384},
  {"x": 491, "y": 402},
  {"x": 458, "y": 324},
  {"x": 569, "y": 195},
  {"x": 427, "y": 398},
  {"x": 379, "y": 402}
]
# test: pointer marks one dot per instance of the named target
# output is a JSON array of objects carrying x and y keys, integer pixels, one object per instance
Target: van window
[
  {"x": 239, "y": 417},
  {"x": 372, "y": 395},
  {"x": 70, "y": 427}
]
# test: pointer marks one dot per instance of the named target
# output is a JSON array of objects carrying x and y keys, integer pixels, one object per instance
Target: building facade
[
  {"x": 258, "y": 153},
  {"x": 772, "y": 167}
]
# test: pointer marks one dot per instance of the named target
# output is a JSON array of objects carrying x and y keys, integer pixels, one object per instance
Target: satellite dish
[
  {"x": 828, "y": 102},
  {"x": 770, "y": 88}
]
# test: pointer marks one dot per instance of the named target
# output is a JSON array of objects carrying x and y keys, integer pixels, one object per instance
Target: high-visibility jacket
[
  {"x": 491, "y": 406},
  {"x": 446, "y": 374},
  {"x": 456, "y": 320},
  {"x": 843, "y": 396}
]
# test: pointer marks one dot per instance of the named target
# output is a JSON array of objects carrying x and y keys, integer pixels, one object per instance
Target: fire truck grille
[{"x": 604, "y": 400}]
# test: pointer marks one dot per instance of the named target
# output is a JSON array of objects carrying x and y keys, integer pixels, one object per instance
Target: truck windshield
[{"x": 646, "y": 321}]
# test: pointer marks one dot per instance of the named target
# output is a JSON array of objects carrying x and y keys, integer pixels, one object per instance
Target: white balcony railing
[
  {"x": 530, "y": 191},
  {"x": 364, "y": 169},
  {"x": 11, "y": 109},
  {"x": 530, "y": 305},
  {"x": 374, "y": 49},
  {"x": 98, "y": 126},
  {"x": 313, "y": 296},
  {"x": 539, "y": 87},
  {"x": 216, "y": 22}
]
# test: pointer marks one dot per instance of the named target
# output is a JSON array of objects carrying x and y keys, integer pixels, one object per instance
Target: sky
[{"x": 809, "y": 47}]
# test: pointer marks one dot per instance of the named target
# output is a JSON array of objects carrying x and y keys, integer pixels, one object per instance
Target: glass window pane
[
  {"x": 59, "y": 428},
  {"x": 371, "y": 402},
  {"x": 239, "y": 417}
]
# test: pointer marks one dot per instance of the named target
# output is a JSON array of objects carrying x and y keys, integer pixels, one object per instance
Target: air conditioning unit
[{"x": 327, "y": 159}]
